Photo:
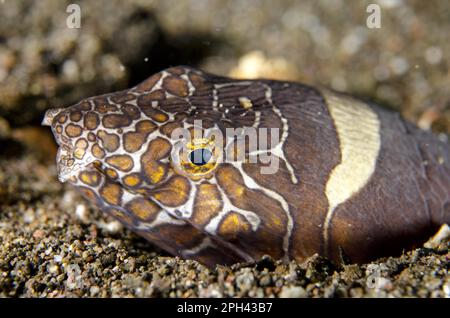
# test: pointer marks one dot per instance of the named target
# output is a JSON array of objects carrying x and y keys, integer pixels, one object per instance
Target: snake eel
[{"x": 353, "y": 180}]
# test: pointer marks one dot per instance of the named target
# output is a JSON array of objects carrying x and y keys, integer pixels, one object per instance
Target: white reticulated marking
[
  {"x": 215, "y": 97},
  {"x": 158, "y": 84},
  {"x": 161, "y": 219},
  {"x": 278, "y": 149},
  {"x": 127, "y": 197},
  {"x": 257, "y": 119},
  {"x": 187, "y": 208},
  {"x": 252, "y": 184},
  {"x": 358, "y": 131},
  {"x": 216, "y": 87},
  {"x": 240, "y": 83},
  {"x": 190, "y": 85},
  {"x": 206, "y": 242}
]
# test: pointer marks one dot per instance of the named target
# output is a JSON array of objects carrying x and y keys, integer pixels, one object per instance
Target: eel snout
[{"x": 49, "y": 115}]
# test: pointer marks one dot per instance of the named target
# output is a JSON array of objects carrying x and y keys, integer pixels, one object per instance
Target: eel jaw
[
  {"x": 69, "y": 167},
  {"x": 66, "y": 166}
]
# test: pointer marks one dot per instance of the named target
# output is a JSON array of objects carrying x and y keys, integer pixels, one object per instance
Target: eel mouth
[{"x": 66, "y": 165}]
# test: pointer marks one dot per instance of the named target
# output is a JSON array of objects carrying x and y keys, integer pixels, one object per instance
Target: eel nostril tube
[{"x": 49, "y": 115}]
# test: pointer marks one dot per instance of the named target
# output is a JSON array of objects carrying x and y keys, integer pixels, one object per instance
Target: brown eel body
[{"x": 351, "y": 178}]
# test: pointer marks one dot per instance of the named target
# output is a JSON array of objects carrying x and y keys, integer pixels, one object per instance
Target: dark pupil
[{"x": 200, "y": 157}]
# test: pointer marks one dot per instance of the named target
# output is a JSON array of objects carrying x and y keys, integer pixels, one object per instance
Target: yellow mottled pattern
[
  {"x": 233, "y": 225},
  {"x": 208, "y": 203},
  {"x": 90, "y": 178},
  {"x": 79, "y": 153},
  {"x": 132, "y": 180},
  {"x": 157, "y": 174},
  {"x": 229, "y": 182},
  {"x": 111, "y": 193},
  {"x": 111, "y": 173},
  {"x": 97, "y": 151},
  {"x": 161, "y": 117},
  {"x": 122, "y": 162},
  {"x": 143, "y": 209},
  {"x": 174, "y": 193}
]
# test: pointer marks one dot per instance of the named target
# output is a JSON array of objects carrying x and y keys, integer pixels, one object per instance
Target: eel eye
[{"x": 200, "y": 157}]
